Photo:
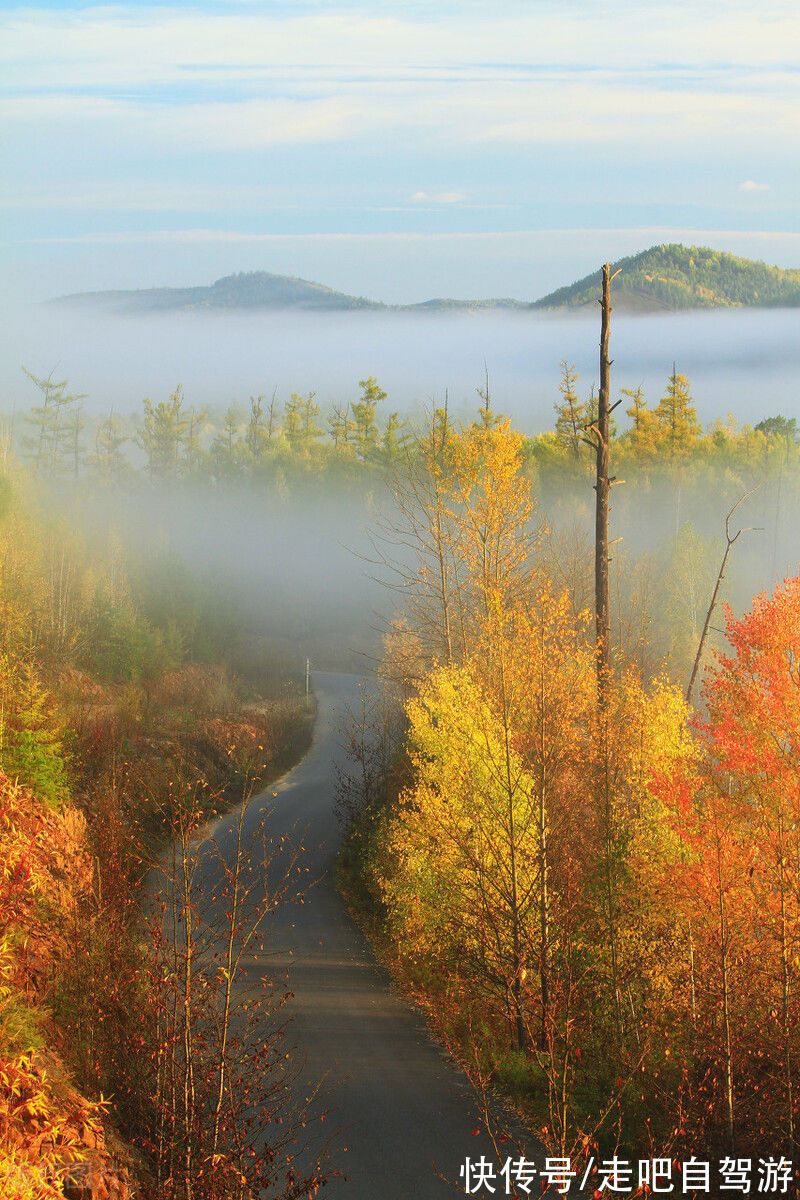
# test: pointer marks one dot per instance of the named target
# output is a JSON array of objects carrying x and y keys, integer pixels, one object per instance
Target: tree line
[{"x": 172, "y": 439}]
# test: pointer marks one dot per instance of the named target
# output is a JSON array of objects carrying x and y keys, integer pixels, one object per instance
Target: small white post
[{"x": 308, "y": 671}]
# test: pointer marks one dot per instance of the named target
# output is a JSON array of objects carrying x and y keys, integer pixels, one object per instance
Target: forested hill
[
  {"x": 663, "y": 277},
  {"x": 252, "y": 289},
  {"x": 680, "y": 277},
  {"x": 260, "y": 289}
]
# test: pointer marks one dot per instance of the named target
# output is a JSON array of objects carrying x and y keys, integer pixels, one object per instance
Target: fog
[
  {"x": 742, "y": 361},
  {"x": 287, "y": 566},
  {"x": 288, "y": 573}
]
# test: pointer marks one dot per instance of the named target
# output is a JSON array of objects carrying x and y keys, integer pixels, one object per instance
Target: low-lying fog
[
  {"x": 295, "y": 575},
  {"x": 742, "y": 361}
]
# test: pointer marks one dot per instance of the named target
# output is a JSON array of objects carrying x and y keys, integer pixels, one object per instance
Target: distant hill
[
  {"x": 254, "y": 289},
  {"x": 662, "y": 278},
  {"x": 680, "y": 277},
  {"x": 259, "y": 289}
]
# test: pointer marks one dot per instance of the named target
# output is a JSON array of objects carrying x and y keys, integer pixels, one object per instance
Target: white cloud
[
  {"x": 645, "y": 235},
  {"x": 544, "y": 111},
  {"x": 122, "y": 45},
  {"x": 438, "y": 197},
  {"x": 526, "y": 74},
  {"x": 750, "y": 185}
]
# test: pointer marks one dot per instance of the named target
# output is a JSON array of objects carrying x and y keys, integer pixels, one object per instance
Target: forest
[
  {"x": 680, "y": 277},
  {"x": 588, "y": 879}
]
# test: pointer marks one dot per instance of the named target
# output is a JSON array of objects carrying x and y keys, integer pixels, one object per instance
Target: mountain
[
  {"x": 259, "y": 289},
  {"x": 662, "y": 278},
  {"x": 254, "y": 289},
  {"x": 679, "y": 277}
]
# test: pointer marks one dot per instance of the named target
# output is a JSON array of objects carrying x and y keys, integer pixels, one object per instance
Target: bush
[
  {"x": 125, "y": 648},
  {"x": 31, "y": 746}
]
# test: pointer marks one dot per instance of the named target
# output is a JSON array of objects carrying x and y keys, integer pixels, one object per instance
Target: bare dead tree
[
  {"x": 730, "y": 540},
  {"x": 601, "y": 444}
]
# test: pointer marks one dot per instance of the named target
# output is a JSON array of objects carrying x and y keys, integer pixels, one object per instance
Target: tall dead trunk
[
  {"x": 601, "y": 443},
  {"x": 730, "y": 540},
  {"x": 602, "y": 431}
]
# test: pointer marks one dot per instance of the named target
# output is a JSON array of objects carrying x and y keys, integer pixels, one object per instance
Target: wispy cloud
[
  {"x": 551, "y": 111},
  {"x": 124, "y": 44},
  {"x": 643, "y": 235},
  {"x": 750, "y": 185},
  {"x": 438, "y": 197},
  {"x": 243, "y": 79}
]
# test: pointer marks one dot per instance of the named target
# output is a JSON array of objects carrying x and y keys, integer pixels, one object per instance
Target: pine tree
[
  {"x": 108, "y": 462},
  {"x": 643, "y": 434},
  {"x": 340, "y": 426},
  {"x": 364, "y": 410},
  {"x": 301, "y": 413},
  {"x": 163, "y": 434},
  {"x": 572, "y": 416},
  {"x": 394, "y": 440},
  {"x": 677, "y": 417},
  {"x": 56, "y": 440},
  {"x": 257, "y": 434},
  {"x": 229, "y": 450}
]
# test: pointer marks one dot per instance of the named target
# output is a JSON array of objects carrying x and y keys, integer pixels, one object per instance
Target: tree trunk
[{"x": 603, "y": 492}]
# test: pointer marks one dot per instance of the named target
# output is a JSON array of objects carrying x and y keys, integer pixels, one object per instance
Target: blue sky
[{"x": 396, "y": 151}]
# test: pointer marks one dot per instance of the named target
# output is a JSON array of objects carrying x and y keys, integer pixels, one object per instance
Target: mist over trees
[{"x": 573, "y": 866}]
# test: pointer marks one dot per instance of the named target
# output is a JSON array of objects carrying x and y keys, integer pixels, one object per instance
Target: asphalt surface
[{"x": 399, "y": 1113}]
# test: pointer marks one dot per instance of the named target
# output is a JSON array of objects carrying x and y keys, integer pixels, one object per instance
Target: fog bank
[{"x": 741, "y": 361}]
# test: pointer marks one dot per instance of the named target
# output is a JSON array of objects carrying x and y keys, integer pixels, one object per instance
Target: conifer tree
[
  {"x": 340, "y": 426},
  {"x": 677, "y": 417},
  {"x": 643, "y": 433},
  {"x": 163, "y": 434},
  {"x": 194, "y": 452},
  {"x": 572, "y": 416},
  {"x": 364, "y": 412},
  {"x": 301, "y": 413},
  {"x": 57, "y": 428},
  {"x": 108, "y": 462},
  {"x": 394, "y": 440},
  {"x": 257, "y": 434}
]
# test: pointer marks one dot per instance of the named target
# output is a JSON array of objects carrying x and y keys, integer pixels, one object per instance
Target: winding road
[{"x": 405, "y": 1114}]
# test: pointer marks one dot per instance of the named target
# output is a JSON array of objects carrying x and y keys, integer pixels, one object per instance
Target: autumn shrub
[
  {"x": 31, "y": 733},
  {"x": 123, "y": 647},
  {"x": 41, "y": 1142}
]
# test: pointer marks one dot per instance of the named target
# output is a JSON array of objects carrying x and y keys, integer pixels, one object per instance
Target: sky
[{"x": 397, "y": 151}]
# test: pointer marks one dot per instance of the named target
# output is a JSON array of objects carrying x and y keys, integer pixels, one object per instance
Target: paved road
[{"x": 400, "y": 1108}]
